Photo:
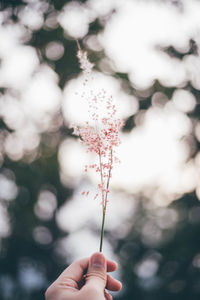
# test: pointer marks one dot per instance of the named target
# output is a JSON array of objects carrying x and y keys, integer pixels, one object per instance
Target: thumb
[{"x": 96, "y": 274}]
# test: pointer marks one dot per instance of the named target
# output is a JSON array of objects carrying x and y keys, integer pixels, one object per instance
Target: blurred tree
[{"x": 168, "y": 267}]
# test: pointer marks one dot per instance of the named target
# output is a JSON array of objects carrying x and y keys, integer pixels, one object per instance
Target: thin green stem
[
  {"x": 104, "y": 203},
  {"x": 78, "y": 45},
  {"x": 102, "y": 230},
  {"x": 101, "y": 172},
  {"x": 109, "y": 175}
]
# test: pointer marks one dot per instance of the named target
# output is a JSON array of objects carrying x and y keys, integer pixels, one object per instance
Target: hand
[{"x": 85, "y": 279}]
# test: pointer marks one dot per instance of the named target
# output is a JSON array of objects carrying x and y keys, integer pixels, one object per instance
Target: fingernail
[{"x": 98, "y": 260}]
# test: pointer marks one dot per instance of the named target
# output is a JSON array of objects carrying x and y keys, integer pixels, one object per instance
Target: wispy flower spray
[{"x": 102, "y": 138}]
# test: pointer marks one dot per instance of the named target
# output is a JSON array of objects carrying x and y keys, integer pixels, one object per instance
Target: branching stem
[{"x": 104, "y": 200}]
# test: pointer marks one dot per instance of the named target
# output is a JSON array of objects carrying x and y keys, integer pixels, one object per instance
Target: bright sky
[{"x": 154, "y": 154}]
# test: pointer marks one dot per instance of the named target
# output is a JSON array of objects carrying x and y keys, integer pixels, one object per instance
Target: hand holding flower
[{"x": 85, "y": 279}]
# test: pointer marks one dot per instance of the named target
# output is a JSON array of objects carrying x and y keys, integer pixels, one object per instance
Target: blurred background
[{"x": 147, "y": 55}]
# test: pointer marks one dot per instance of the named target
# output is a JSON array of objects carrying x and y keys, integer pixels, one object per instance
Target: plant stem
[
  {"x": 109, "y": 176},
  {"x": 78, "y": 45},
  {"x": 102, "y": 183},
  {"x": 104, "y": 204},
  {"x": 102, "y": 230}
]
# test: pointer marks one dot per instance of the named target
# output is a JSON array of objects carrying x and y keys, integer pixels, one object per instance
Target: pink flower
[
  {"x": 103, "y": 138},
  {"x": 85, "y": 64}
]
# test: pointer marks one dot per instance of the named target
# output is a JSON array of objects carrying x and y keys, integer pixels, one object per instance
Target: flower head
[
  {"x": 102, "y": 137},
  {"x": 85, "y": 64}
]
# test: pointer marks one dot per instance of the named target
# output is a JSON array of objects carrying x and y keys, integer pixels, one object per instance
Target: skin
[{"x": 85, "y": 279}]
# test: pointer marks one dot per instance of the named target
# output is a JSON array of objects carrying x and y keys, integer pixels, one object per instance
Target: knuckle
[
  {"x": 96, "y": 274},
  {"x": 68, "y": 282}
]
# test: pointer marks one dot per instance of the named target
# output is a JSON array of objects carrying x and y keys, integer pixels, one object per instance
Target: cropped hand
[{"x": 85, "y": 279}]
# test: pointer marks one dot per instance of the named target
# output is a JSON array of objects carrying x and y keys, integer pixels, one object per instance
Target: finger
[
  {"x": 111, "y": 265},
  {"x": 77, "y": 268},
  {"x": 75, "y": 271},
  {"x": 107, "y": 295},
  {"x": 96, "y": 274},
  {"x": 113, "y": 284}
]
